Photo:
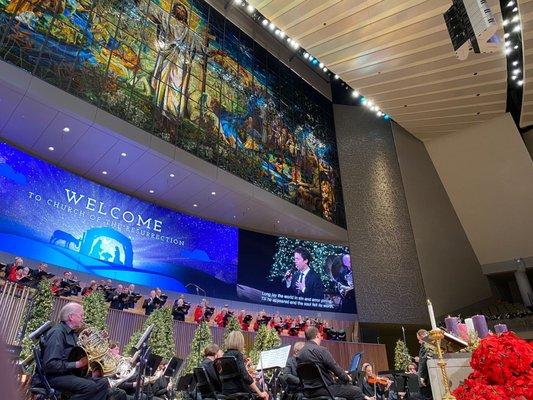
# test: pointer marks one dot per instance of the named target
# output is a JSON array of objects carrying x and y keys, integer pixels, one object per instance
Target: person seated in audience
[
  {"x": 234, "y": 344},
  {"x": 313, "y": 353},
  {"x": 116, "y": 298},
  {"x": 289, "y": 376},
  {"x": 199, "y": 311},
  {"x": 87, "y": 290},
  {"x": 211, "y": 353},
  {"x": 373, "y": 391}
]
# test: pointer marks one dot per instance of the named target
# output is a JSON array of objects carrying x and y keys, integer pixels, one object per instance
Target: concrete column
[{"x": 523, "y": 283}]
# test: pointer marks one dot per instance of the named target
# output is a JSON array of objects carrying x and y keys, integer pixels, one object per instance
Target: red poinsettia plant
[{"x": 503, "y": 369}]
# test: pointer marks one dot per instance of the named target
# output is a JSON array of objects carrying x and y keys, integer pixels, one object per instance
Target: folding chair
[{"x": 310, "y": 376}]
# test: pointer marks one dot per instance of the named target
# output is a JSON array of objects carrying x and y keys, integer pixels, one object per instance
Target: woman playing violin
[
  {"x": 235, "y": 348},
  {"x": 374, "y": 387}
]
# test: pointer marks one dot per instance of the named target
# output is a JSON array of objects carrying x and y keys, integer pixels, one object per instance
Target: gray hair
[{"x": 67, "y": 310}]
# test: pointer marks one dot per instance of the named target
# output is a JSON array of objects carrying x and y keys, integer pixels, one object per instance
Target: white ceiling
[
  {"x": 33, "y": 115},
  {"x": 398, "y": 53}
]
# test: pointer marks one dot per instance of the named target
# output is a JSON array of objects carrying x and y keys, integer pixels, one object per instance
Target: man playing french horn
[{"x": 60, "y": 372}]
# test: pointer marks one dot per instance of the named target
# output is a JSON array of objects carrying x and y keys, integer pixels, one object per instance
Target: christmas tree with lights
[
  {"x": 265, "y": 339},
  {"x": 233, "y": 325},
  {"x": 401, "y": 356},
  {"x": 284, "y": 257},
  {"x": 96, "y": 309},
  {"x": 202, "y": 337}
]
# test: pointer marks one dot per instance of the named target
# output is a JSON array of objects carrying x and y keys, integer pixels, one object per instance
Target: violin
[{"x": 381, "y": 380}]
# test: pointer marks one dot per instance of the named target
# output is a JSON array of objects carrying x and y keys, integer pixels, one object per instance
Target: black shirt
[
  {"x": 320, "y": 356},
  {"x": 236, "y": 385},
  {"x": 58, "y": 345},
  {"x": 290, "y": 375},
  {"x": 209, "y": 368}
]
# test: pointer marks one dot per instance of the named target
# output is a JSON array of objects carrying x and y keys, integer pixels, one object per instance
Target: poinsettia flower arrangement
[{"x": 503, "y": 369}]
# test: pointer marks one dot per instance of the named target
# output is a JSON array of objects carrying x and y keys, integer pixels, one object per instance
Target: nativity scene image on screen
[{"x": 179, "y": 70}]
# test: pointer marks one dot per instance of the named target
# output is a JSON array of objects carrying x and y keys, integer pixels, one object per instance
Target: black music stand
[{"x": 172, "y": 367}]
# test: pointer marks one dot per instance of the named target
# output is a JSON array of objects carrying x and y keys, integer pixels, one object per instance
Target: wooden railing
[{"x": 14, "y": 303}]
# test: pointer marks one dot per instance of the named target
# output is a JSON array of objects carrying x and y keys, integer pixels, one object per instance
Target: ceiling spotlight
[
  {"x": 311, "y": 58},
  {"x": 277, "y": 222},
  {"x": 505, "y": 22},
  {"x": 213, "y": 193},
  {"x": 151, "y": 191},
  {"x": 516, "y": 47},
  {"x": 510, "y": 4},
  {"x": 520, "y": 82},
  {"x": 515, "y": 18},
  {"x": 516, "y": 28},
  {"x": 325, "y": 69},
  {"x": 508, "y": 51},
  {"x": 505, "y": 35},
  {"x": 104, "y": 172},
  {"x": 281, "y": 34},
  {"x": 250, "y": 8},
  {"x": 172, "y": 175},
  {"x": 321, "y": 65},
  {"x": 51, "y": 148},
  {"x": 306, "y": 55},
  {"x": 516, "y": 71},
  {"x": 379, "y": 113},
  {"x": 355, "y": 93},
  {"x": 514, "y": 77},
  {"x": 515, "y": 63},
  {"x": 369, "y": 103},
  {"x": 515, "y": 9},
  {"x": 296, "y": 45},
  {"x": 336, "y": 76},
  {"x": 238, "y": 2},
  {"x": 66, "y": 129},
  {"x": 265, "y": 22},
  {"x": 272, "y": 26},
  {"x": 123, "y": 154},
  {"x": 507, "y": 43},
  {"x": 195, "y": 205}
]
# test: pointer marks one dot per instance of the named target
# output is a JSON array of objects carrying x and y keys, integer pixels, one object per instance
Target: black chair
[
  {"x": 311, "y": 377},
  {"x": 204, "y": 385},
  {"x": 229, "y": 373},
  {"x": 40, "y": 388}
]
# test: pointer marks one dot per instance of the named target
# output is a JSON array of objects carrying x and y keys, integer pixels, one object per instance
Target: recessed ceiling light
[
  {"x": 213, "y": 193},
  {"x": 272, "y": 26},
  {"x": 172, "y": 175},
  {"x": 66, "y": 129},
  {"x": 250, "y": 8},
  {"x": 51, "y": 148},
  {"x": 515, "y": 9},
  {"x": 516, "y": 47},
  {"x": 195, "y": 205},
  {"x": 151, "y": 191},
  {"x": 336, "y": 76},
  {"x": 355, "y": 93},
  {"x": 506, "y": 35},
  {"x": 265, "y": 22},
  {"x": 234, "y": 216},
  {"x": 520, "y": 82},
  {"x": 321, "y": 65},
  {"x": 277, "y": 221},
  {"x": 505, "y": 22},
  {"x": 515, "y": 63},
  {"x": 325, "y": 69},
  {"x": 515, "y": 18},
  {"x": 123, "y": 154},
  {"x": 104, "y": 172}
]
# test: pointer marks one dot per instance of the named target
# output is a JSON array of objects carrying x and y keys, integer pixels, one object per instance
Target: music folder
[{"x": 274, "y": 358}]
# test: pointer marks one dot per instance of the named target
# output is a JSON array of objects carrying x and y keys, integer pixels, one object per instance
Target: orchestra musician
[
  {"x": 58, "y": 344},
  {"x": 289, "y": 375},
  {"x": 425, "y": 389},
  {"x": 374, "y": 387},
  {"x": 312, "y": 352},
  {"x": 234, "y": 344},
  {"x": 211, "y": 353}
]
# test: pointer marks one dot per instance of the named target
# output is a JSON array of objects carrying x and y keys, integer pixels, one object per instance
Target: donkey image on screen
[{"x": 66, "y": 237}]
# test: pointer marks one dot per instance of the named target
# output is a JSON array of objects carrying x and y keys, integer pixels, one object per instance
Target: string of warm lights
[
  {"x": 299, "y": 51},
  {"x": 513, "y": 40}
]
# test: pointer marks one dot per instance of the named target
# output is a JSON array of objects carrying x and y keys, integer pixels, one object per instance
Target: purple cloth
[{"x": 480, "y": 325}]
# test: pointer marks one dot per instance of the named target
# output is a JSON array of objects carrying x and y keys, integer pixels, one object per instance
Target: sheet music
[{"x": 274, "y": 358}]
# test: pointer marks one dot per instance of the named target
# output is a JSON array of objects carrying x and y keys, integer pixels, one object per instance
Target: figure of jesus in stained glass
[{"x": 177, "y": 47}]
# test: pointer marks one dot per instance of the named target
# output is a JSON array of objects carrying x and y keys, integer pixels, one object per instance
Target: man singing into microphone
[{"x": 304, "y": 281}]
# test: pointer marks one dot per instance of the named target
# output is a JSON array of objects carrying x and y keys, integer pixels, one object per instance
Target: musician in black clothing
[
  {"x": 289, "y": 375},
  {"x": 58, "y": 345},
  {"x": 372, "y": 391},
  {"x": 162, "y": 298},
  {"x": 211, "y": 353},
  {"x": 150, "y": 303},
  {"x": 117, "y": 297},
  {"x": 132, "y": 297},
  {"x": 423, "y": 355},
  {"x": 235, "y": 348},
  {"x": 312, "y": 352},
  {"x": 180, "y": 309}
]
